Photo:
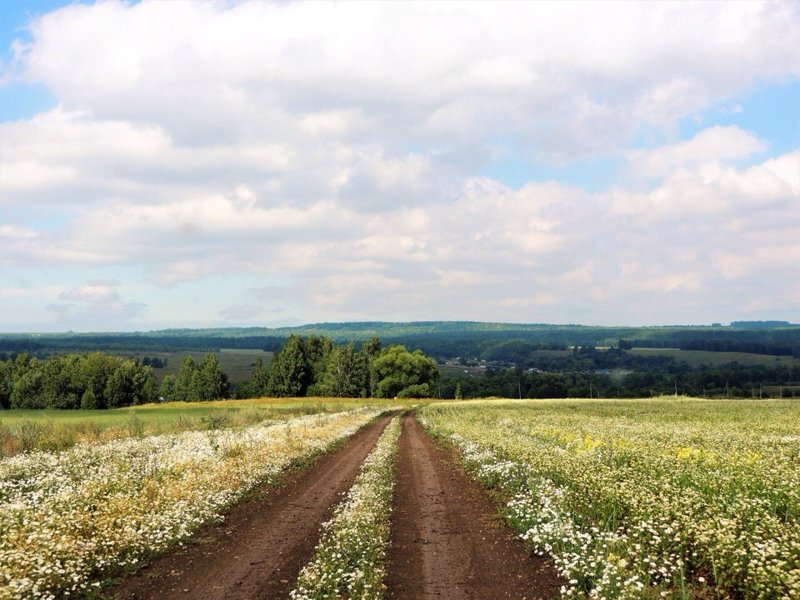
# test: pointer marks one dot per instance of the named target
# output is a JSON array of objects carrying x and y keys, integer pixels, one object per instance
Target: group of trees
[
  {"x": 93, "y": 380},
  {"x": 311, "y": 366},
  {"x": 196, "y": 383},
  {"x": 314, "y": 366}
]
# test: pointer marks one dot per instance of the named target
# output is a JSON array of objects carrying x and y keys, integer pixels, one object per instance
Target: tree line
[
  {"x": 94, "y": 380},
  {"x": 732, "y": 380},
  {"x": 314, "y": 366},
  {"x": 196, "y": 382},
  {"x": 311, "y": 366}
]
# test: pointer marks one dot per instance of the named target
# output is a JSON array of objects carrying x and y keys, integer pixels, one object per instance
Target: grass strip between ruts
[{"x": 349, "y": 559}]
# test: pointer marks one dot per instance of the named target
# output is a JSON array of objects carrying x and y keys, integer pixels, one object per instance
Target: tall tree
[
  {"x": 346, "y": 375},
  {"x": 6, "y": 383},
  {"x": 213, "y": 382},
  {"x": 260, "y": 379},
  {"x": 289, "y": 371},
  {"x": 396, "y": 372},
  {"x": 317, "y": 351}
]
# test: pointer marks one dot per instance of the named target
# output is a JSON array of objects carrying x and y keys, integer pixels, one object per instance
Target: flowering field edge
[
  {"x": 70, "y": 520},
  {"x": 687, "y": 500}
]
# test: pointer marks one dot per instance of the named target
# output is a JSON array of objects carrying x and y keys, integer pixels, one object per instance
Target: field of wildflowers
[
  {"x": 348, "y": 561},
  {"x": 675, "y": 498},
  {"x": 67, "y": 517}
]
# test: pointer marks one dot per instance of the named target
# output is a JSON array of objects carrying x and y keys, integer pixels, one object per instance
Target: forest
[
  {"x": 438, "y": 339},
  {"x": 312, "y": 366}
]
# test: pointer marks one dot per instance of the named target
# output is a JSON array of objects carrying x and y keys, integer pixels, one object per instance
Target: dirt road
[
  {"x": 263, "y": 543},
  {"x": 446, "y": 540}
]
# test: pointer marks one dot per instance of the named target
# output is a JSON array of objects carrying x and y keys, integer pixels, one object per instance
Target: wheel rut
[
  {"x": 446, "y": 541},
  {"x": 258, "y": 551}
]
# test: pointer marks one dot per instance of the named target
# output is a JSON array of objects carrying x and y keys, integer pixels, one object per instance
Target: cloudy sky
[{"x": 170, "y": 163}]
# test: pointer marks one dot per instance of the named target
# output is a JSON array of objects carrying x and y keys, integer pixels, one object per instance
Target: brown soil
[
  {"x": 446, "y": 539},
  {"x": 258, "y": 551}
]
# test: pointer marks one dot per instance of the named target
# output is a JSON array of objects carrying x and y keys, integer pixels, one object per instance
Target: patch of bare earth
[
  {"x": 447, "y": 541},
  {"x": 259, "y": 549}
]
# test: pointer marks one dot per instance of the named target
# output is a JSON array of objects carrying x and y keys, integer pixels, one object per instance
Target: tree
[
  {"x": 168, "y": 388},
  {"x": 368, "y": 352},
  {"x": 193, "y": 383},
  {"x": 396, "y": 372},
  {"x": 346, "y": 375},
  {"x": 5, "y": 385},
  {"x": 27, "y": 379},
  {"x": 260, "y": 379},
  {"x": 182, "y": 389},
  {"x": 210, "y": 381},
  {"x": 96, "y": 368},
  {"x": 289, "y": 371},
  {"x": 119, "y": 388},
  {"x": 317, "y": 352}
]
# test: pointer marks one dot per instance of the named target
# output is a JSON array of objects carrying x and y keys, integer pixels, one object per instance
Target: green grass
[
  {"x": 700, "y": 357},
  {"x": 236, "y": 363}
]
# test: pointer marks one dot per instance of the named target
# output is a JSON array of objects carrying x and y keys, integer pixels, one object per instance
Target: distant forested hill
[{"x": 441, "y": 339}]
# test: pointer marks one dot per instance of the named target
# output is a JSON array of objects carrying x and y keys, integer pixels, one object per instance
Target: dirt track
[
  {"x": 263, "y": 543},
  {"x": 446, "y": 541}
]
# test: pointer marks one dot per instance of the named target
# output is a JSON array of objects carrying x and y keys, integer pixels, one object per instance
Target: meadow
[
  {"x": 676, "y": 498},
  {"x": 54, "y": 430},
  {"x": 659, "y": 498}
]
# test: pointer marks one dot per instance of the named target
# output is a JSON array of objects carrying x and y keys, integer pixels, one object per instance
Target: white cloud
[
  {"x": 592, "y": 73},
  {"x": 711, "y": 145},
  {"x": 342, "y": 149},
  {"x": 492, "y": 243}
]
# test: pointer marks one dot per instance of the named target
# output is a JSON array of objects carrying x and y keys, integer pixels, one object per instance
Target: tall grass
[{"x": 55, "y": 430}]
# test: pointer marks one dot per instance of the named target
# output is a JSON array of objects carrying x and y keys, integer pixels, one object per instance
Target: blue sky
[{"x": 198, "y": 163}]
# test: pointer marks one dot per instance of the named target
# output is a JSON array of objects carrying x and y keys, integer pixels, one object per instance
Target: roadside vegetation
[
  {"x": 677, "y": 498},
  {"x": 68, "y": 518}
]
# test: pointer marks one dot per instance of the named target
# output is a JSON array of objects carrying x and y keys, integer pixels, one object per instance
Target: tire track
[
  {"x": 263, "y": 543},
  {"x": 446, "y": 540}
]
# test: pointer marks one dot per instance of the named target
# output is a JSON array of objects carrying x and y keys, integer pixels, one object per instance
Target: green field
[
  {"x": 236, "y": 363},
  {"x": 705, "y": 357}
]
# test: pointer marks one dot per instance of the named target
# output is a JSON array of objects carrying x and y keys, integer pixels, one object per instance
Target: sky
[{"x": 172, "y": 163}]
